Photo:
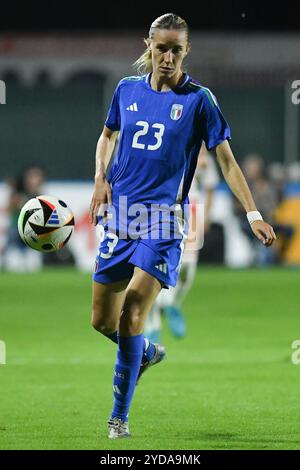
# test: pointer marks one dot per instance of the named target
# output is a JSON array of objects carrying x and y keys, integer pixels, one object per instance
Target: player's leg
[
  {"x": 109, "y": 290},
  {"x": 111, "y": 276},
  {"x": 107, "y": 305},
  {"x": 141, "y": 293},
  {"x": 107, "y": 302}
]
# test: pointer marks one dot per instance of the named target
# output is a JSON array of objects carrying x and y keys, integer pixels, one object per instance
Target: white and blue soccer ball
[{"x": 46, "y": 223}]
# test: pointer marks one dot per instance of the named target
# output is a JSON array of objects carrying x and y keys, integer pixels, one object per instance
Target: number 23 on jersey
[{"x": 137, "y": 141}]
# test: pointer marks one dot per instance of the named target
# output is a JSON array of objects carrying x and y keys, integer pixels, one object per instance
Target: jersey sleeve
[
  {"x": 113, "y": 120},
  {"x": 213, "y": 125}
]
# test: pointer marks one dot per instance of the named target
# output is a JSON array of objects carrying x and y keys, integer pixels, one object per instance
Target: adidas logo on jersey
[
  {"x": 162, "y": 267},
  {"x": 132, "y": 107}
]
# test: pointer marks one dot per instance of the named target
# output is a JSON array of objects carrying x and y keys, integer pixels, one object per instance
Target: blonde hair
[{"x": 167, "y": 21}]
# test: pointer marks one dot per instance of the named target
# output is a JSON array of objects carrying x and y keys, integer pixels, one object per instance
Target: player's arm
[
  {"x": 237, "y": 183},
  {"x": 102, "y": 190}
]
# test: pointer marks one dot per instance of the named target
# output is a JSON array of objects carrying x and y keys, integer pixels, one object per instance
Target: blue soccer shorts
[{"x": 117, "y": 258}]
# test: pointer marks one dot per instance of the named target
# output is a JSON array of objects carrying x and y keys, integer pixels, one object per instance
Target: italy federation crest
[{"x": 176, "y": 111}]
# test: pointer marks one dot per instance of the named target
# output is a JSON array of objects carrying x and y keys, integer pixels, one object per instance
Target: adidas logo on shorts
[{"x": 162, "y": 267}]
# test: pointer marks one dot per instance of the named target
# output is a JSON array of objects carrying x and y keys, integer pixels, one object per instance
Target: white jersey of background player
[{"x": 169, "y": 300}]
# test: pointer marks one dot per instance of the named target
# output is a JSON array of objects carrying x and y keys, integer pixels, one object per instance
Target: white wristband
[{"x": 252, "y": 216}]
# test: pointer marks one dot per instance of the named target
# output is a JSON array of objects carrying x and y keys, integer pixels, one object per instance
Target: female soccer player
[{"x": 163, "y": 117}]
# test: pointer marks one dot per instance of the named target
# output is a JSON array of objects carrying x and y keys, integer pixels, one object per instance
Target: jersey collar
[{"x": 184, "y": 82}]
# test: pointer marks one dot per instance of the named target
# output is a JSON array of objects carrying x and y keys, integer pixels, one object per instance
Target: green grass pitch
[{"x": 230, "y": 384}]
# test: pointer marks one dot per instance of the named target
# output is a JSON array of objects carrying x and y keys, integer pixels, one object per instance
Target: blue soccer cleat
[
  {"x": 159, "y": 355},
  {"x": 176, "y": 321}
]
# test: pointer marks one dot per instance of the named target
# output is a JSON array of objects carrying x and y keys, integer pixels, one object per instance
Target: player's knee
[
  {"x": 96, "y": 324},
  {"x": 104, "y": 325},
  {"x": 133, "y": 314},
  {"x": 132, "y": 319},
  {"x": 132, "y": 324}
]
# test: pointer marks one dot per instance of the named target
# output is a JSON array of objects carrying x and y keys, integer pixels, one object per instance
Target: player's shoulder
[
  {"x": 202, "y": 92},
  {"x": 131, "y": 80},
  {"x": 193, "y": 85}
]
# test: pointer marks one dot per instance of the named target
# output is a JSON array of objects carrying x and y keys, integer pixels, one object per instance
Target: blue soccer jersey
[{"x": 160, "y": 137}]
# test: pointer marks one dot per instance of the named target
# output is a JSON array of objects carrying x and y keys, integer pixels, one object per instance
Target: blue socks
[
  {"x": 148, "y": 348},
  {"x": 129, "y": 357},
  {"x": 132, "y": 351}
]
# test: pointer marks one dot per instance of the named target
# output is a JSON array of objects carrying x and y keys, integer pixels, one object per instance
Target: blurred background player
[{"x": 169, "y": 302}]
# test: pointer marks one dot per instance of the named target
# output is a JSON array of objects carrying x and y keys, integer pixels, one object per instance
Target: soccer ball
[{"x": 45, "y": 223}]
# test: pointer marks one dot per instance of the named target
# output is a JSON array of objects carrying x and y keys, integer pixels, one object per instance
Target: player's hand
[
  {"x": 264, "y": 232},
  {"x": 101, "y": 197}
]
